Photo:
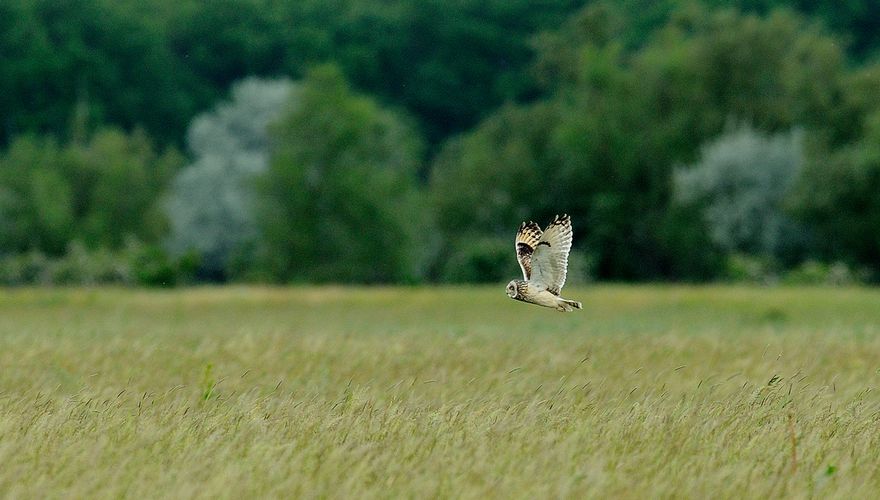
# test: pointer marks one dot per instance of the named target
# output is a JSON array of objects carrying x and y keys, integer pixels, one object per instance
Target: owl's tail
[{"x": 566, "y": 305}]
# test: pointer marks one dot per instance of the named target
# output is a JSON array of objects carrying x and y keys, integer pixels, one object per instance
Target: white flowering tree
[
  {"x": 211, "y": 203},
  {"x": 741, "y": 182}
]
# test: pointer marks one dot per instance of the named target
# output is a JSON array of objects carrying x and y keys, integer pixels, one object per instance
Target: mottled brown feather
[{"x": 527, "y": 238}]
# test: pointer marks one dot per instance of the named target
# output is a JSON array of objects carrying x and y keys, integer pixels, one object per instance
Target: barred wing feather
[
  {"x": 549, "y": 261},
  {"x": 526, "y": 238}
]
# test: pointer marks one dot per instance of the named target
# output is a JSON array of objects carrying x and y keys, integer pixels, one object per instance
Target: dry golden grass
[{"x": 664, "y": 392}]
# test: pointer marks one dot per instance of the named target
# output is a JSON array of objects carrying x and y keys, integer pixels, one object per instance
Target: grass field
[{"x": 338, "y": 392}]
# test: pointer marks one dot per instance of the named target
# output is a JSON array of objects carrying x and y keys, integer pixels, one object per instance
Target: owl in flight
[{"x": 543, "y": 257}]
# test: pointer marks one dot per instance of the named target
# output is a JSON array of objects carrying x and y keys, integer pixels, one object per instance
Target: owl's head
[{"x": 512, "y": 290}]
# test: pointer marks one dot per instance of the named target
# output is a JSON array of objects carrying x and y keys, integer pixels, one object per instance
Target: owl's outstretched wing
[
  {"x": 549, "y": 261},
  {"x": 526, "y": 238}
]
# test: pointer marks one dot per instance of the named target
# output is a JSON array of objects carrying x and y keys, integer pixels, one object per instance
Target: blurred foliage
[
  {"x": 447, "y": 62},
  {"x": 603, "y": 146},
  {"x": 55, "y": 54},
  {"x": 743, "y": 268},
  {"x": 101, "y": 191},
  {"x": 764, "y": 270},
  {"x": 133, "y": 264},
  {"x": 211, "y": 204},
  {"x": 502, "y": 171},
  {"x": 811, "y": 272},
  {"x": 740, "y": 184},
  {"x": 481, "y": 260},
  {"x": 340, "y": 202},
  {"x": 405, "y": 142},
  {"x": 838, "y": 197},
  {"x": 857, "y": 21}
]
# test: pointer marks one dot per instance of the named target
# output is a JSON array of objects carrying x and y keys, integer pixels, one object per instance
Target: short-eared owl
[{"x": 543, "y": 257}]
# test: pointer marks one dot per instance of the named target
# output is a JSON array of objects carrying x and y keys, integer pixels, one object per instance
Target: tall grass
[{"x": 349, "y": 392}]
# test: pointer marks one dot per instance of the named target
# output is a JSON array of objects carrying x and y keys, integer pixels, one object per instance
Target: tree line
[{"x": 166, "y": 142}]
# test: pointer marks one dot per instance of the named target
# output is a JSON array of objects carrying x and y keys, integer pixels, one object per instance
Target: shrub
[
  {"x": 81, "y": 266},
  {"x": 136, "y": 264},
  {"x": 812, "y": 272},
  {"x": 743, "y": 268},
  {"x": 24, "y": 269}
]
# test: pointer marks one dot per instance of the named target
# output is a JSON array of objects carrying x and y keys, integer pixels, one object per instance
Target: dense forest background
[{"x": 403, "y": 141}]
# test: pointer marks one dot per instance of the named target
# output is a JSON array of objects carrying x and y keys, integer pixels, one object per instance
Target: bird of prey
[{"x": 543, "y": 257}]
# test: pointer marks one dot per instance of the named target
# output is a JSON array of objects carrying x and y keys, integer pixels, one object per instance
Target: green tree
[
  {"x": 856, "y": 20},
  {"x": 36, "y": 205},
  {"x": 620, "y": 117},
  {"x": 118, "y": 179},
  {"x": 448, "y": 62},
  {"x": 485, "y": 183},
  {"x": 837, "y": 197},
  {"x": 630, "y": 117},
  {"x": 54, "y": 54},
  {"x": 101, "y": 192},
  {"x": 340, "y": 196}
]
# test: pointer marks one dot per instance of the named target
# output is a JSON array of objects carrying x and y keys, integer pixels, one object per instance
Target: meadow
[{"x": 650, "y": 391}]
